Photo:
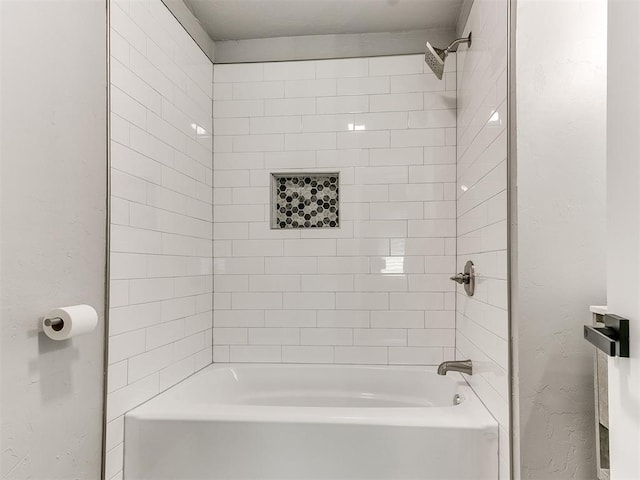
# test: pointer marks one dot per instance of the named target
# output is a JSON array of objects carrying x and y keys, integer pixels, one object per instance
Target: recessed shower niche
[{"x": 305, "y": 200}]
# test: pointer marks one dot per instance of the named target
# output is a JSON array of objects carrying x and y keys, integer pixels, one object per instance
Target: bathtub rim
[{"x": 470, "y": 414}]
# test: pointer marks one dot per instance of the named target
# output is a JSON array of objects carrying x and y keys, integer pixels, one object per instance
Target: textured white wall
[
  {"x": 54, "y": 176},
  {"x": 161, "y": 215},
  {"x": 377, "y": 289},
  {"x": 482, "y": 320},
  {"x": 561, "y": 122}
]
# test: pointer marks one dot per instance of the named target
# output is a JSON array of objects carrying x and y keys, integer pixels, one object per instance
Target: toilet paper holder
[{"x": 56, "y": 323}]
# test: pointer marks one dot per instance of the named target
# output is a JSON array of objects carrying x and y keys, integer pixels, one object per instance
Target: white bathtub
[{"x": 312, "y": 422}]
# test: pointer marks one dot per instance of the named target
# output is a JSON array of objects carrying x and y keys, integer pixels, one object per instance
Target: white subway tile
[
  {"x": 126, "y": 345},
  {"x": 348, "y": 140},
  {"x": 430, "y": 283},
  {"x": 258, "y": 143},
  {"x": 231, "y": 283},
  {"x": 440, "y": 100},
  {"x": 440, "y": 319},
  {"x": 221, "y": 354},
  {"x": 380, "y": 121},
  {"x": 380, "y": 228},
  {"x": 129, "y": 161},
  {"x": 393, "y": 337},
  {"x": 326, "y": 336},
  {"x": 349, "y": 67},
  {"x": 292, "y": 265},
  {"x": 231, "y": 126},
  {"x": 416, "y": 83},
  {"x": 258, "y": 248},
  {"x": 343, "y": 319},
  {"x": 310, "y": 88},
  {"x": 151, "y": 146},
  {"x": 238, "y": 108},
  {"x": 223, "y": 91},
  {"x": 362, "y": 301},
  {"x": 238, "y": 318},
  {"x": 396, "y": 210},
  {"x": 230, "y": 336},
  {"x": 327, "y": 123},
  {"x": 127, "y": 265},
  {"x": 363, "y": 85},
  {"x": 257, "y": 301},
  {"x": 165, "y": 333},
  {"x": 309, "y": 301},
  {"x": 432, "y": 119},
  {"x": 289, "y": 70},
  {"x": 290, "y": 318},
  {"x": 432, "y": 337},
  {"x": 238, "y": 213},
  {"x": 396, "y": 102},
  {"x": 128, "y": 108},
  {"x": 255, "y": 353},
  {"x": 274, "y": 336},
  {"x": 309, "y": 247},
  {"x": 343, "y": 265},
  {"x": 286, "y": 124},
  {"x": 343, "y": 104},
  {"x": 290, "y": 106},
  {"x": 415, "y": 355},
  {"x": 258, "y": 90},
  {"x": 417, "y": 137},
  {"x": 327, "y": 283},
  {"x": 150, "y": 290},
  {"x": 381, "y": 175},
  {"x": 134, "y": 240},
  {"x": 250, "y": 195},
  {"x": 239, "y": 162},
  {"x": 363, "y": 246},
  {"x": 432, "y": 173},
  {"x": 119, "y": 129},
  {"x": 310, "y": 141},
  {"x": 396, "y": 65},
  {"x": 397, "y": 319},
  {"x": 432, "y": 228},
  {"x": 396, "y": 265},
  {"x": 381, "y": 283},
  {"x": 290, "y": 160},
  {"x": 230, "y": 231},
  {"x": 274, "y": 283},
  {"x": 307, "y": 354},
  {"x": 361, "y": 355},
  {"x": 238, "y": 72},
  {"x": 416, "y": 301},
  {"x": 416, "y": 192},
  {"x": 149, "y": 362},
  {"x": 439, "y": 155}
]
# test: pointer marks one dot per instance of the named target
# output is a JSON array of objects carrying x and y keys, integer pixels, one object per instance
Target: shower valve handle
[{"x": 461, "y": 278}]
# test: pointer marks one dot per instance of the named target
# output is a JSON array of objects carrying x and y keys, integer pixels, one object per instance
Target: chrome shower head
[{"x": 435, "y": 57}]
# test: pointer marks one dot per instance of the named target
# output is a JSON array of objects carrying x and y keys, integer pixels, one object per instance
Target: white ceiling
[{"x": 245, "y": 19}]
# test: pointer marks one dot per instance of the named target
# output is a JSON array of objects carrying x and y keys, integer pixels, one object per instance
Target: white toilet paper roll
[{"x": 76, "y": 320}]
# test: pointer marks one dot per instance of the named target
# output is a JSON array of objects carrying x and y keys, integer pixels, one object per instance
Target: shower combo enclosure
[{"x": 306, "y": 212}]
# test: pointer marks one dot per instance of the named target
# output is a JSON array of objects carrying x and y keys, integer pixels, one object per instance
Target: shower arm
[{"x": 457, "y": 42}]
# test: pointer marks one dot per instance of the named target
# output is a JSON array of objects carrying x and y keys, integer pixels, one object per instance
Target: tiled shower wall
[
  {"x": 376, "y": 290},
  {"x": 160, "y": 326},
  {"x": 482, "y": 320}
]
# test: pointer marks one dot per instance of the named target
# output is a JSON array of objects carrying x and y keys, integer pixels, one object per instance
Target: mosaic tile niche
[{"x": 305, "y": 200}]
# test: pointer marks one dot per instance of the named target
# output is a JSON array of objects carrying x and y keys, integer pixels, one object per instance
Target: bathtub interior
[{"x": 317, "y": 386}]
